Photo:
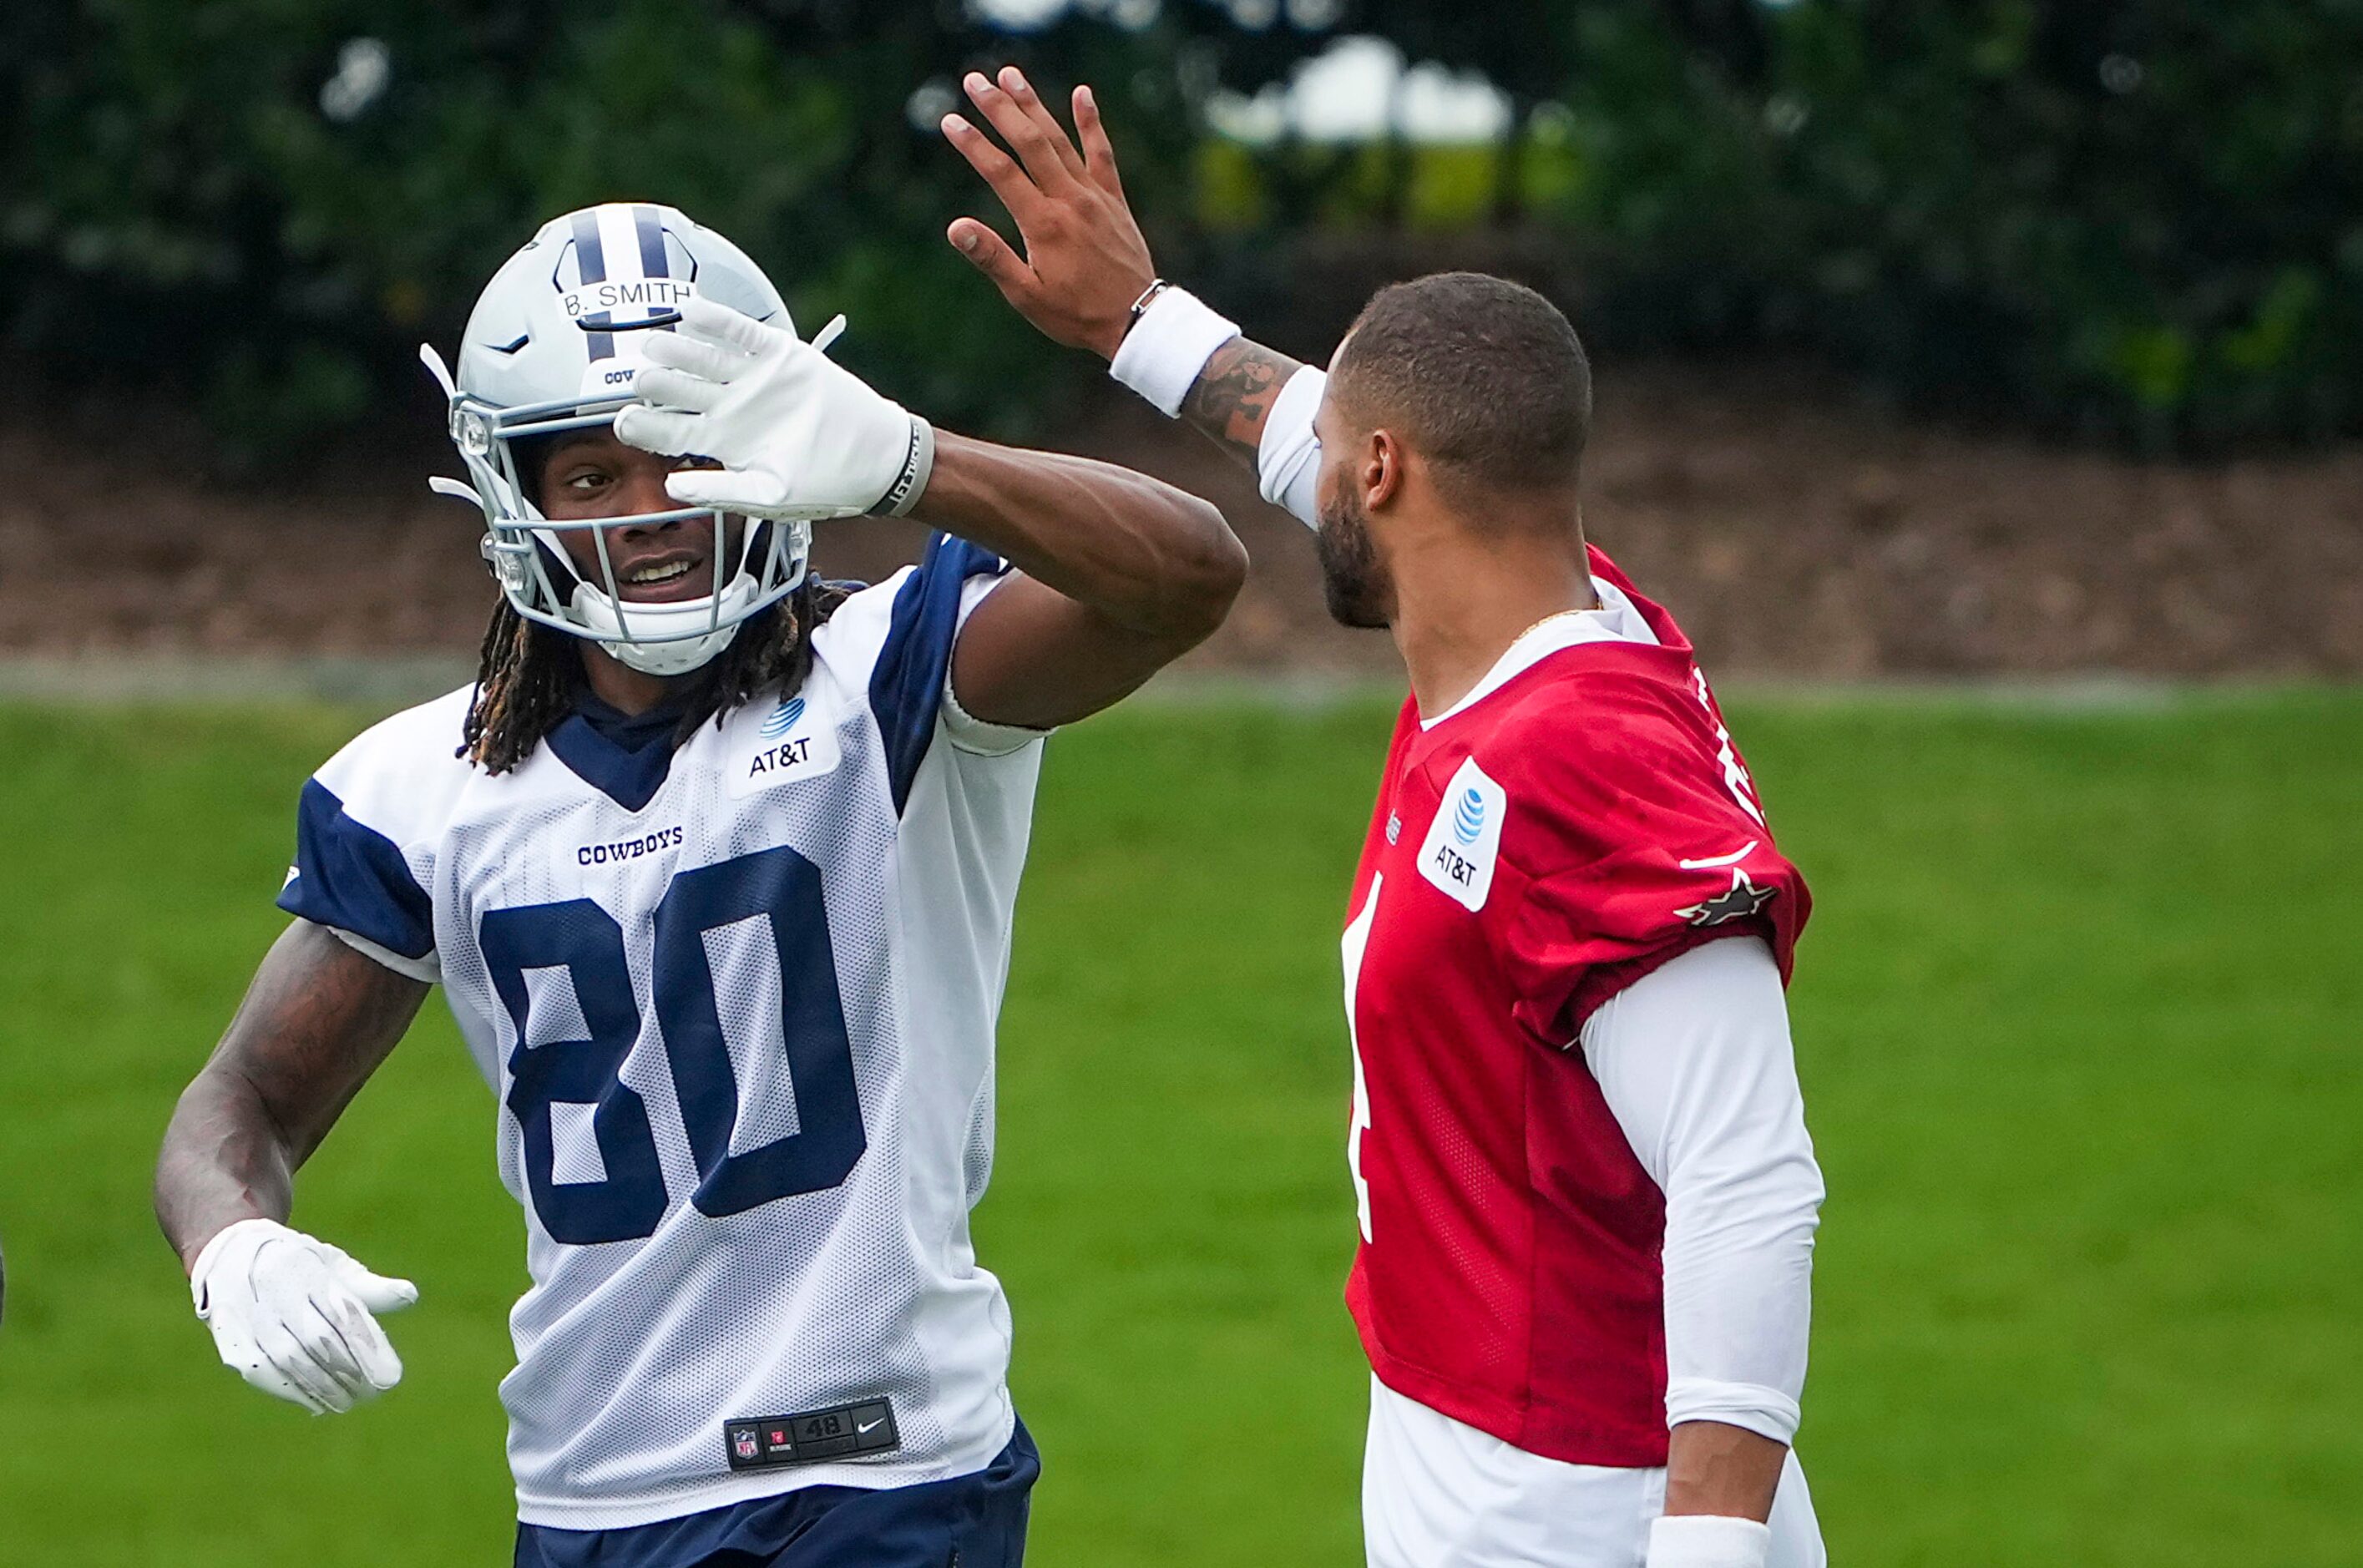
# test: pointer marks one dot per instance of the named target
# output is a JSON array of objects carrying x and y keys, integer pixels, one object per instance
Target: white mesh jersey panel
[{"x": 664, "y": 1300}]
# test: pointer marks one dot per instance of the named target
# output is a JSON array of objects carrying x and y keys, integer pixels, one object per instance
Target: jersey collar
[
  {"x": 626, "y": 757},
  {"x": 1616, "y": 620}
]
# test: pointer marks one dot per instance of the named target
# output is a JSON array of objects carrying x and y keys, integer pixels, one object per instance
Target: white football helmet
[{"x": 554, "y": 345}]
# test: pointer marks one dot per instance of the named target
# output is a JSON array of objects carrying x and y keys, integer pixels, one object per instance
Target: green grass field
[{"x": 2078, "y": 1018}]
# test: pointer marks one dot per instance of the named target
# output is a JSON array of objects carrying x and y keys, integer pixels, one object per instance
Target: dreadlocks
[{"x": 527, "y": 674}]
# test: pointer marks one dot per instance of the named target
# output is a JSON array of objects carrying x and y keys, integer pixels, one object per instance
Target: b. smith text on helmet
[{"x": 665, "y": 294}]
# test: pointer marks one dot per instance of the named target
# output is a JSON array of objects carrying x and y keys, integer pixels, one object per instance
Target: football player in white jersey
[{"x": 714, "y": 863}]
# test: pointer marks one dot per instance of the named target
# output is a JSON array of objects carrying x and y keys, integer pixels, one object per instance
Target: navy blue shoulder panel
[
  {"x": 354, "y": 878},
  {"x": 907, "y": 688}
]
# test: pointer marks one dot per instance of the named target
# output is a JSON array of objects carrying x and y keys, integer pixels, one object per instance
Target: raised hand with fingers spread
[
  {"x": 1087, "y": 279},
  {"x": 1085, "y": 264}
]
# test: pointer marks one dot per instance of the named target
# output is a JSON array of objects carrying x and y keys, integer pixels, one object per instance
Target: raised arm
[
  {"x": 1118, "y": 574},
  {"x": 291, "y": 1314},
  {"x": 1086, "y": 268},
  {"x": 1232, "y": 400}
]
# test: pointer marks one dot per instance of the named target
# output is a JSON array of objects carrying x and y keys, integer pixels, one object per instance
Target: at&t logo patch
[
  {"x": 790, "y": 743},
  {"x": 1465, "y": 839}
]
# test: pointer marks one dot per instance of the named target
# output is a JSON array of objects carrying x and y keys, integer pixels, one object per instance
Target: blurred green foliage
[
  {"x": 2142, "y": 220},
  {"x": 177, "y": 203},
  {"x": 2131, "y": 220},
  {"x": 2137, "y": 221}
]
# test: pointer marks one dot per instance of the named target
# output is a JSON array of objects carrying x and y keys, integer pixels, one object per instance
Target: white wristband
[
  {"x": 1708, "y": 1540},
  {"x": 1167, "y": 346},
  {"x": 911, "y": 481}
]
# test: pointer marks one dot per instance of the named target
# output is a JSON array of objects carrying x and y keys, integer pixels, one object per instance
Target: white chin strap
[{"x": 664, "y": 639}]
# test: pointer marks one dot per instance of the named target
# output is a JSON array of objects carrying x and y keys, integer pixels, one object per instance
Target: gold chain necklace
[{"x": 1555, "y": 615}]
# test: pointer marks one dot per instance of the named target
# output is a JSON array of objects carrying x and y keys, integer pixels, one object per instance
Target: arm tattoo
[{"x": 1234, "y": 395}]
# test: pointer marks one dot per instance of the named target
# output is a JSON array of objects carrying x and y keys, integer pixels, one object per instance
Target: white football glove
[
  {"x": 1708, "y": 1540},
  {"x": 797, "y": 434},
  {"x": 290, "y": 1315}
]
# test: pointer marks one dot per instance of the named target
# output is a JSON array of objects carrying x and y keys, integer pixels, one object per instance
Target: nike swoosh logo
[
  {"x": 867, "y": 1426},
  {"x": 1732, "y": 859}
]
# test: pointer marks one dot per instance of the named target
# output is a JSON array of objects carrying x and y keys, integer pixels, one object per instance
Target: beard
[{"x": 1358, "y": 590}]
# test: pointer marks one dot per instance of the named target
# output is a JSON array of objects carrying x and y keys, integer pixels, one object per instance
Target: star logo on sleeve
[{"x": 1742, "y": 899}]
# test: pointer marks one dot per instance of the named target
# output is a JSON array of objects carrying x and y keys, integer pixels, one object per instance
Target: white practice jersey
[{"x": 736, "y": 1002}]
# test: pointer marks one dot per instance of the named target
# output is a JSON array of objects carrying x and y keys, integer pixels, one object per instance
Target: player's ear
[{"x": 1381, "y": 475}]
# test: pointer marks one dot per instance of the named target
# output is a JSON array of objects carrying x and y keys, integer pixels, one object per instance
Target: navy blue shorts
[{"x": 968, "y": 1521}]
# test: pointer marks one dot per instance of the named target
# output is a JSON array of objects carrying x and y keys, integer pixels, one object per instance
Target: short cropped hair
[{"x": 1484, "y": 377}]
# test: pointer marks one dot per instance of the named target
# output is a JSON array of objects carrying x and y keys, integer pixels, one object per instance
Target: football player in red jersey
[{"x": 1586, "y": 1194}]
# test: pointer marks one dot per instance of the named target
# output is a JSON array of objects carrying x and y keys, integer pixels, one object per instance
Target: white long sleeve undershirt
[
  {"x": 1695, "y": 1064},
  {"x": 1288, "y": 457}
]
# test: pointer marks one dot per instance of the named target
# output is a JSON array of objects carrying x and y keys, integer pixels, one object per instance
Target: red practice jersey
[{"x": 1582, "y": 818}]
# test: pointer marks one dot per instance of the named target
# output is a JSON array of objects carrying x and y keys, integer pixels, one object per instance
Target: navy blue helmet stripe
[
  {"x": 653, "y": 251},
  {"x": 591, "y": 262},
  {"x": 590, "y": 255}
]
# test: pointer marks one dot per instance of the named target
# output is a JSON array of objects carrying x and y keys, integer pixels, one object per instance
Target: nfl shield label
[
  {"x": 1466, "y": 837},
  {"x": 792, "y": 741}
]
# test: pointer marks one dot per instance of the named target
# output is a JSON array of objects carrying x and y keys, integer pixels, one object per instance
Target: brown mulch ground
[{"x": 1795, "y": 531}]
